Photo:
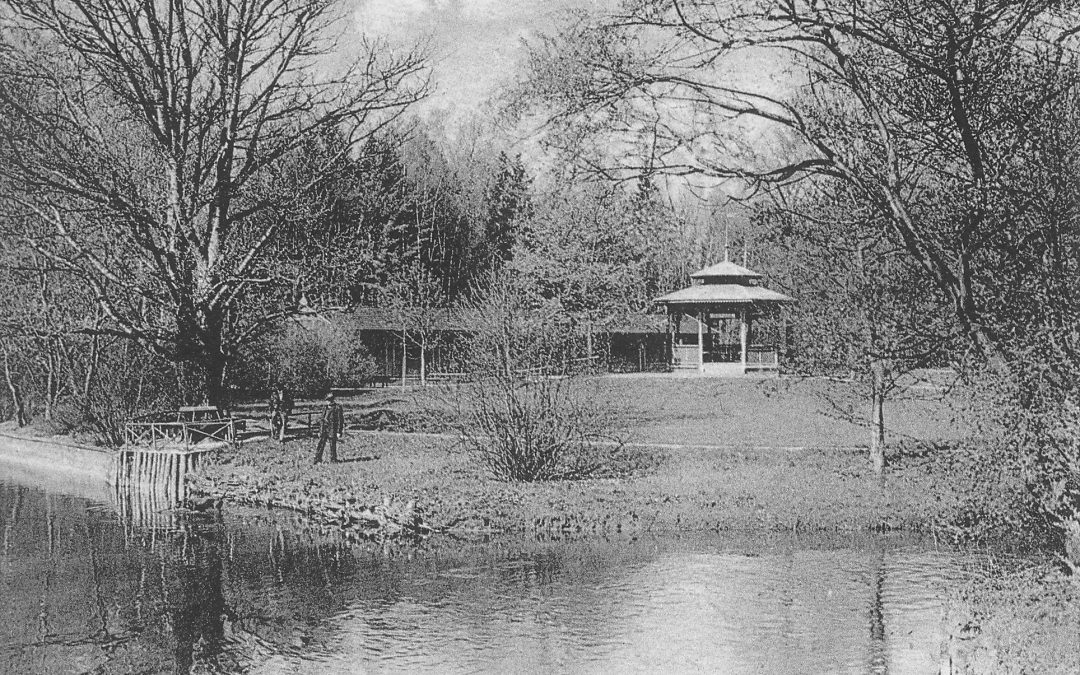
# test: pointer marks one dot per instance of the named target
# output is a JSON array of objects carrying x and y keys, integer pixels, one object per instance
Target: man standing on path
[
  {"x": 286, "y": 402},
  {"x": 331, "y": 425},
  {"x": 281, "y": 405}
]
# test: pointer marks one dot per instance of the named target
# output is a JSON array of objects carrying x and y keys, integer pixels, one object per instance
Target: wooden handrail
[{"x": 154, "y": 433}]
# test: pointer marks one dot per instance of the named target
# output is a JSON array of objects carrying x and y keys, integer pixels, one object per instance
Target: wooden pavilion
[{"x": 723, "y": 302}]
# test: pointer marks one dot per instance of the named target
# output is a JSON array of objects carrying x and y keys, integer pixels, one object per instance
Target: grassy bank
[
  {"x": 739, "y": 454},
  {"x": 659, "y": 490}
]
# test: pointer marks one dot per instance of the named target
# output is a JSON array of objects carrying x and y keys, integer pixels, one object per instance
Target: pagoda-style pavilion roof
[
  {"x": 722, "y": 294},
  {"x": 724, "y": 284}
]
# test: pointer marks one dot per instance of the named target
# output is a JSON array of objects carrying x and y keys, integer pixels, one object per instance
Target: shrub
[
  {"x": 307, "y": 359},
  {"x": 527, "y": 415},
  {"x": 127, "y": 381},
  {"x": 542, "y": 428},
  {"x": 1022, "y": 480}
]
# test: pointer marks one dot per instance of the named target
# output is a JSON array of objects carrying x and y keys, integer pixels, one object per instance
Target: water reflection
[{"x": 87, "y": 591}]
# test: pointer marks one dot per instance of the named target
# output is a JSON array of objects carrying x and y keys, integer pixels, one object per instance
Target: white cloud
[
  {"x": 493, "y": 10},
  {"x": 475, "y": 44},
  {"x": 389, "y": 17}
]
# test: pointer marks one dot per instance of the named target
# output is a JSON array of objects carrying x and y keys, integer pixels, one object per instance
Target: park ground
[
  {"x": 699, "y": 454},
  {"x": 747, "y": 455}
]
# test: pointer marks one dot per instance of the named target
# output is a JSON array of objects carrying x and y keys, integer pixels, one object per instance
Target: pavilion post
[
  {"x": 670, "y": 340},
  {"x": 701, "y": 340},
  {"x": 744, "y": 332}
]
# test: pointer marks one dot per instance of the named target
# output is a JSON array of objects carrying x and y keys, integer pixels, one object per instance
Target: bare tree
[
  {"x": 926, "y": 109},
  {"x": 419, "y": 306},
  {"x": 142, "y": 140},
  {"x": 857, "y": 314}
]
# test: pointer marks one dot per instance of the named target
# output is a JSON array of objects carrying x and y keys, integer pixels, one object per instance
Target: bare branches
[
  {"x": 904, "y": 102},
  {"x": 149, "y": 138}
]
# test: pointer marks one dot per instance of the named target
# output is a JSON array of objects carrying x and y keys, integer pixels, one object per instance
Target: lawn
[
  {"x": 692, "y": 489},
  {"x": 738, "y": 454},
  {"x": 767, "y": 412},
  {"x": 694, "y": 411}
]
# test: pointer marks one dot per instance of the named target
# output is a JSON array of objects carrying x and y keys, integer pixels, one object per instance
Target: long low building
[{"x": 708, "y": 328}]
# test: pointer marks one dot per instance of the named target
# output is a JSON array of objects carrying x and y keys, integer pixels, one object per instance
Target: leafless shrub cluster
[{"x": 528, "y": 415}]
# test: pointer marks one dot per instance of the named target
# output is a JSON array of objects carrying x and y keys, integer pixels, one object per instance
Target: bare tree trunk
[
  {"x": 49, "y": 343},
  {"x": 877, "y": 417},
  {"x": 879, "y": 662},
  {"x": 91, "y": 367},
  {"x": 1072, "y": 543},
  {"x": 50, "y": 380},
  {"x": 201, "y": 357},
  {"x": 16, "y": 395},
  {"x": 423, "y": 360},
  {"x": 404, "y": 357}
]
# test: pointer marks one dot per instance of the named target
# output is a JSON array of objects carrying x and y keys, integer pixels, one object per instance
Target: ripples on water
[{"x": 87, "y": 591}]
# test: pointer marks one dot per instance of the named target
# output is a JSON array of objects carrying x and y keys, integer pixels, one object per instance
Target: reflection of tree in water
[
  {"x": 194, "y": 597},
  {"x": 94, "y": 594},
  {"x": 90, "y": 591},
  {"x": 83, "y": 591},
  {"x": 230, "y": 598},
  {"x": 100, "y": 594},
  {"x": 879, "y": 663}
]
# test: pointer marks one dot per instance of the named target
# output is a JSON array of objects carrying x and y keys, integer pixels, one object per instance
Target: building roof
[
  {"x": 722, "y": 294},
  {"x": 465, "y": 320},
  {"x": 727, "y": 270},
  {"x": 637, "y": 324},
  {"x": 390, "y": 319},
  {"x": 724, "y": 284}
]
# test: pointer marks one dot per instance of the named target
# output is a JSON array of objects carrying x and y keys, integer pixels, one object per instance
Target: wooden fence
[{"x": 186, "y": 427}]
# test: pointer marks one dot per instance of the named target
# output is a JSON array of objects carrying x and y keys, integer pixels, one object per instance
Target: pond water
[{"x": 86, "y": 590}]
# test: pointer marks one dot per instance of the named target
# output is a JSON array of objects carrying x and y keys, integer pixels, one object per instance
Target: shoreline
[{"x": 650, "y": 488}]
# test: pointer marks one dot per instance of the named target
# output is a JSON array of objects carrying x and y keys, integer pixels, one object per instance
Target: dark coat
[
  {"x": 332, "y": 421},
  {"x": 280, "y": 404}
]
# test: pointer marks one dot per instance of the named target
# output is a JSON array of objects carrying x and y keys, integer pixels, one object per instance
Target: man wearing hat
[
  {"x": 331, "y": 425},
  {"x": 281, "y": 405}
]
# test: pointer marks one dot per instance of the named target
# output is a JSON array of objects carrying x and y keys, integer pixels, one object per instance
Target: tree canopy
[
  {"x": 141, "y": 142},
  {"x": 942, "y": 116}
]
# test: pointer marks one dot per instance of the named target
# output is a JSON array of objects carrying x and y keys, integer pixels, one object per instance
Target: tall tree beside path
[
  {"x": 856, "y": 313},
  {"x": 140, "y": 140}
]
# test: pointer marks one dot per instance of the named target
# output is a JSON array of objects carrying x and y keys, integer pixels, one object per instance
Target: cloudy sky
[
  {"x": 478, "y": 46},
  {"x": 477, "y": 43}
]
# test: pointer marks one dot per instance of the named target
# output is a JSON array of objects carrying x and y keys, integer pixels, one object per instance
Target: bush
[
  {"x": 126, "y": 382},
  {"x": 308, "y": 360},
  {"x": 543, "y": 428},
  {"x": 527, "y": 415},
  {"x": 1022, "y": 480}
]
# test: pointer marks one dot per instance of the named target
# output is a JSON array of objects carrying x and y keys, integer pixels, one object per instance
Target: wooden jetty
[
  {"x": 150, "y": 471},
  {"x": 188, "y": 427},
  {"x": 160, "y": 470}
]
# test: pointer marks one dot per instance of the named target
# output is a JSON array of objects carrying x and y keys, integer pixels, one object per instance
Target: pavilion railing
[
  {"x": 762, "y": 357},
  {"x": 685, "y": 356},
  {"x": 758, "y": 357},
  {"x": 723, "y": 352}
]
